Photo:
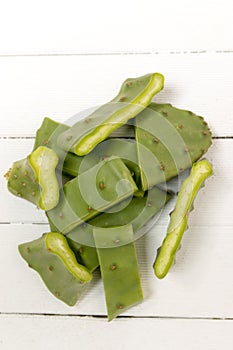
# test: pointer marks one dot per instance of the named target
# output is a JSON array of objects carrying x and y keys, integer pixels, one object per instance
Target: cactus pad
[
  {"x": 51, "y": 257},
  {"x": 169, "y": 140}
]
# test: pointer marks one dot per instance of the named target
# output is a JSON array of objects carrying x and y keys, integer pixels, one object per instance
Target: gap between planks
[
  {"x": 122, "y": 316},
  {"x": 126, "y": 53}
]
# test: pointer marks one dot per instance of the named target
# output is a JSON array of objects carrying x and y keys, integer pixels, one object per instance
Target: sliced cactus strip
[
  {"x": 138, "y": 212},
  {"x": 134, "y": 96},
  {"x": 169, "y": 140},
  {"x": 119, "y": 268},
  {"x": 47, "y": 258},
  {"x": 101, "y": 187},
  {"x": 21, "y": 181},
  {"x": 44, "y": 161},
  {"x": 178, "y": 221}
]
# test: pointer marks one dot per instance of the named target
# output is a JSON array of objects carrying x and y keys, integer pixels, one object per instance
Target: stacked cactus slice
[{"x": 101, "y": 183}]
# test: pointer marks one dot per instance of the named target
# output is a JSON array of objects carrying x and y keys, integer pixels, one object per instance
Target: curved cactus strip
[
  {"x": 119, "y": 268},
  {"x": 44, "y": 161},
  {"x": 138, "y": 212},
  {"x": 49, "y": 260},
  {"x": 178, "y": 222},
  {"x": 169, "y": 140},
  {"x": 133, "y": 97},
  {"x": 21, "y": 181},
  {"x": 101, "y": 187}
]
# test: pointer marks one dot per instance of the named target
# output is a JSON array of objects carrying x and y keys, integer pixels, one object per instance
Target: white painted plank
[
  {"x": 59, "y": 87},
  {"x": 199, "y": 285},
  {"x": 64, "y": 332},
  {"x": 80, "y": 27},
  {"x": 213, "y": 202}
]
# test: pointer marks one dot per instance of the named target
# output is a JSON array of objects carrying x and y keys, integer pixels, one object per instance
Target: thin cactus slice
[
  {"x": 52, "y": 258},
  {"x": 44, "y": 161},
  {"x": 21, "y": 181},
  {"x": 178, "y": 221},
  {"x": 138, "y": 212},
  {"x": 169, "y": 141},
  {"x": 119, "y": 268},
  {"x": 101, "y": 187},
  {"x": 134, "y": 96}
]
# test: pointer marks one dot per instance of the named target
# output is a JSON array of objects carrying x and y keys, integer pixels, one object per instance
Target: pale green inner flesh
[
  {"x": 57, "y": 243},
  {"x": 178, "y": 222},
  {"x": 44, "y": 162}
]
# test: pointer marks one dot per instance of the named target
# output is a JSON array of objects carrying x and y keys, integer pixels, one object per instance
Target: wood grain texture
[
  {"x": 126, "y": 26},
  {"x": 64, "y": 332},
  {"x": 59, "y": 87}
]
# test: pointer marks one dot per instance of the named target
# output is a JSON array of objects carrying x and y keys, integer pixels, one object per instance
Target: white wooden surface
[{"x": 60, "y": 57}]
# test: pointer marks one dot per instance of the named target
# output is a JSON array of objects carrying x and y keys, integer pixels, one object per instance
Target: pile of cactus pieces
[{"x": 101, "y": 183}]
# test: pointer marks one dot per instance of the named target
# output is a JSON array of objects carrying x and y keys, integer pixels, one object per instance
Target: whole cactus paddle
[
  {"x": 119, "y": 268},
  {"x": 179, "y": 217},
  {"x": 169, "y": 140},
  {"x": 52, "y": 258},
  {"x": 134, "y": 95}
]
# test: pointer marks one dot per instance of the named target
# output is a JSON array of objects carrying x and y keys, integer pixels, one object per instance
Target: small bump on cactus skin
[
  {"x": 44, "y": 161},
  {"x": 81, "y": 198},
  {"x": 119, "y": 269},
  {"x": 178, "y": 219},
  {"x": 182, "y": 139},
  {"x": 62, "y": 281},
  {"x": 112, "y": 115}
]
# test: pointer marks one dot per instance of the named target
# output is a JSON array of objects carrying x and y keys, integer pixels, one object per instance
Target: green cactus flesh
[
  {"x": 85, "y": 255},
  {"x": 169, "y": 140},
  {"x": 21, "y": 181},
  {"x": 134, "y": 96},
  {"x": 138, "y": 212},
  {"x": 48, "y": 133},
  {"x": 93, "y": 191},
  {"x": 52, "y": 258},
  {"x": 178, "y": 221},
  {"x": 123, "y": 148},
  {"x": 119, "y": 268},
  {"x": 44, "y": 161}
]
